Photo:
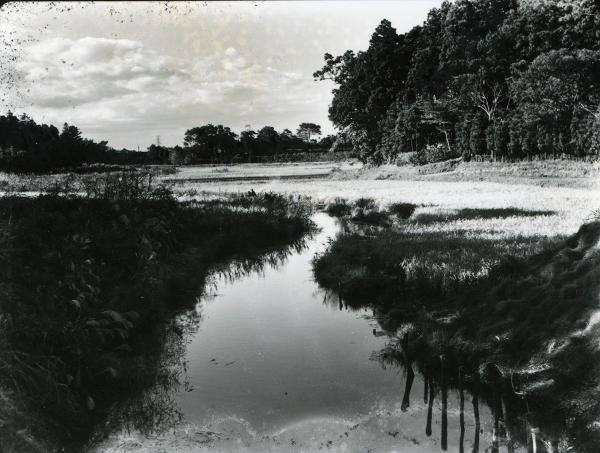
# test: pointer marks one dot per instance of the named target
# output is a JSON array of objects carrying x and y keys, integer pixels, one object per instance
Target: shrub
[
  {"x": 431, "y": 154},
  {"x": 366, "y": 210},
  {"x": 402, "y": 210},
  {"x": 339, "y": 208}
]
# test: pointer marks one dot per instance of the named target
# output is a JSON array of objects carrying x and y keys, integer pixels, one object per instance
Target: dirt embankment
[{"x": 561, "y": 173}]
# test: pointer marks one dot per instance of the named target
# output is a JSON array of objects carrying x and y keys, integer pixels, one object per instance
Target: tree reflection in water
[{"x": 514, "y": 424}]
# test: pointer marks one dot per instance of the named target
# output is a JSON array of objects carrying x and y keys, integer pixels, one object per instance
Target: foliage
[
  {"x": 430, "y": 154},
  {"x": 515, "y": 312},
  {"x": 525, "y": 72},
  {"x": 27, "y": 146},
  {"x": 402, "y": 210},
  {"x": 218, "y": 144},
  {"x": 339, "y": 208},
  {"x": 366, "y": 211}
]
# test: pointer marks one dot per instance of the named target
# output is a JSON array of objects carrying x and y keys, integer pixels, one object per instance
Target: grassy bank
[
  {"x": 401, "y": 247},
  {"x": 518, "y": 312},
  {"x": 89, "y": 277}
]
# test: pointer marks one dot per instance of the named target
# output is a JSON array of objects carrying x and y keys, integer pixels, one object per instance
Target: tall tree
[{"x": 536, "y": 61}]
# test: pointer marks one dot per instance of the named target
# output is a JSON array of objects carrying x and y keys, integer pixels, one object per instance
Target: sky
[{"x": 128, "y": 72}]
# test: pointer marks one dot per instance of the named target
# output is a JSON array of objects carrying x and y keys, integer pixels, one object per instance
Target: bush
[
  {"x": 432, "y": 153},
  {"x": 402, "y": 210},
  {"x": 367, "y": 211},
  {"x": 339, "y": 208}
]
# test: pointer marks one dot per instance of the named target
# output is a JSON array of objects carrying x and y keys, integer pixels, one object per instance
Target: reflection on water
[{"x": 272, "y": 362}]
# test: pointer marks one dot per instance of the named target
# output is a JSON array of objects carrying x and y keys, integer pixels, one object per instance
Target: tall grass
[{"x": 435, "y": 263}]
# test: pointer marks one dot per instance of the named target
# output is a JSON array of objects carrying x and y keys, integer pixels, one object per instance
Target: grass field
[
  {"x": 263, "y": 171},
  {"x": 525, "y": 204},
  {"x": 566, "y": 208}
]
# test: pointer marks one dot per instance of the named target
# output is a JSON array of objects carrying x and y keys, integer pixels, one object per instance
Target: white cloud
[
  {"x": 64, "y": 72},
  {"x": 119, "y": 84}
]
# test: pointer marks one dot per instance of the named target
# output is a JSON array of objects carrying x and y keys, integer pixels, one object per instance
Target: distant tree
[
  {"x": 211, "y": 142},
  {"x": 287, "y": 134},
  {"x": 40, "y": 147},
  {"x": 70, "y": 133},
  {"x": 158, "y": 154},
  {"x": 268, "y": 141},
  {"x": 327, "y": 141},
  {"x": 177, "y": 155},
  {"x": 307, "y": 130},
  {"x": 248, "y": 140}
]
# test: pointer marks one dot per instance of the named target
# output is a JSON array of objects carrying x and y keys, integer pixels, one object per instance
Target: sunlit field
[
  {"x": 216, "y": 172},
  {"x": 565, "y": 209}
]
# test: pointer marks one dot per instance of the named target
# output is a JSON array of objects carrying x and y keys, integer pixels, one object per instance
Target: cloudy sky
[{"x": 128, "y": 72}]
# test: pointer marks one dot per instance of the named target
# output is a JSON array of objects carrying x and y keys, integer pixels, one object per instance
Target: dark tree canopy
[
  {"x": 28, "y": 146},
  {"x": 504, "y": 78}
]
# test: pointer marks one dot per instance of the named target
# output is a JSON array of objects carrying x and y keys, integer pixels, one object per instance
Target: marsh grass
[
  {"x": 339, "y": 207},
  {"x": 79, "y": 180},
  {"x": 368, "y": 212},
  {"x": 402, "y": 210},
  {"x": 478, "y": 214},
  {"x": 422, "y": 252},
  {"x": 434, "y": 263},
  {"x": 88, "y": 277}
]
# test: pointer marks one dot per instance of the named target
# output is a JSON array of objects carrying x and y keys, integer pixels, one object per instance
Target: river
[{"x": 277, "y": 365}]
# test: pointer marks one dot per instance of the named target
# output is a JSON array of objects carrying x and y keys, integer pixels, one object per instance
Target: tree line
[
  {"x": 26, "y": 146},
  {"x": 218, "y": 144},
  {"x": 508, "y": 79}
]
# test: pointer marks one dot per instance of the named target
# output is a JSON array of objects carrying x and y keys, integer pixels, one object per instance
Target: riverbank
[
  {"x": 522, "y": 309},
  {"x": 88, "y": 282},
  {"x": 542, "y": 173}
]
